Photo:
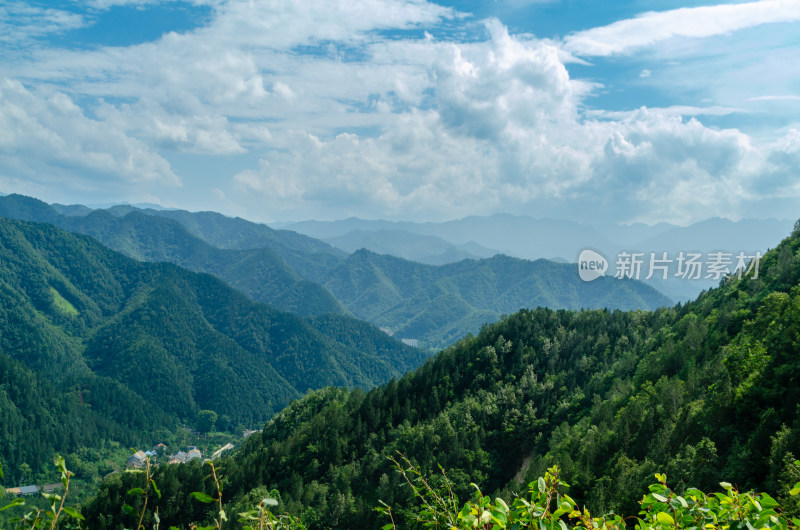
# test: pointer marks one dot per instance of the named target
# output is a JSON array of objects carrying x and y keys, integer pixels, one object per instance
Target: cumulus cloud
[
  {"x": 649, "y": 28},
  {"x": 505, "y": 133},
  {"x": 45, "y": 137}
]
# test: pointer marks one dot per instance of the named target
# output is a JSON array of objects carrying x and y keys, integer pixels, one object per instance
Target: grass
[{"x": 62, "y": 304}]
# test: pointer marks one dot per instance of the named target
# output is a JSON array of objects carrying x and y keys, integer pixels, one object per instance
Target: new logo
[{"x": 591, "y": 265}]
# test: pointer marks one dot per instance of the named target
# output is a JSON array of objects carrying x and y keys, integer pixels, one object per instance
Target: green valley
[{"x": 96, "y": 346}]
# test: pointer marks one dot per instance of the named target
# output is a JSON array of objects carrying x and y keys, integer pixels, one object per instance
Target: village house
[
  {"x": 178, "y": 458},
  {"x": 137, "y": 459},
  {"x": 23, "y": 490}
]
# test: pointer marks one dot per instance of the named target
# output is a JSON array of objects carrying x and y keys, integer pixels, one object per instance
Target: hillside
[
  {"x": 434, "y": 305},
  {"x": 438, "y": 305},
  {"x": 81, "y": 323},
  {"x": 704, "y": 392},
  {"x": 258, "y": 271},
  {"x": 306, "y": 255}
]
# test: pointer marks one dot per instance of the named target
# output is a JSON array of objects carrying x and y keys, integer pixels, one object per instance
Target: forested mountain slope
[
  {"x": 439, "y": 304},
  {"x": 434, "y": 304},
  {"x": 80, "y": 322},
  {"x": 308, "y": 256},
  {"x": 257, "y": 271},
  {"x": 707, "y": 391}
]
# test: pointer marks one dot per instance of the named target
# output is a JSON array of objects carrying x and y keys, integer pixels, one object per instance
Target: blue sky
[{"x": 406, "y": 109}]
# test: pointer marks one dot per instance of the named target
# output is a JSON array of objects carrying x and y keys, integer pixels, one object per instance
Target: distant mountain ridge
[
  {"x": 530, "y": 238},
  {"x": 251, "y": 265},
  {"x": 430, "y": 250},
  {"x": 440, "y": 304},
  {"x": 434, "y": 305}
]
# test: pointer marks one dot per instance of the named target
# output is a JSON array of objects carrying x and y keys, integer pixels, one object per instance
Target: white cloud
[
  {"x": 649, "y": 28},
  {"x": 20, "y": 22},
  {"x": 776, "y": 97},
  {"x": 108, "y": 4},
  {"x": 505, "y": 134},
  {"x": 181, "y": 131},
  {"x": 45, "y": 137},
  {"x": 283, "y": 25},
  {"x": 675, "y": 110}
]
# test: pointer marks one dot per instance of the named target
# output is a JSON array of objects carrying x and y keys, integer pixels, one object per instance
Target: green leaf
[
  {"x": 501, "y": 504},
  {"x": 72, "y": 512},
  {"x": 127, "y": 508},
  {"x": 135, "y": 491},
  {"x": 155, "y": 488},
  {"x": 767, "y": 501},
  {"x": 658, "y": 497},
  {"x": 202, "y": 497},
  {"x": 15, "y": 502},
  {"x": 726, "y": 485},
  {"x": 665, "y": 518},
  {"x": 542, "y": 485},
  {"x": 61, "y": 464},
  {"x": 694, "y": 492},
  {"x": 52, "y": 497},
  {"x": 1, "y": 470}
]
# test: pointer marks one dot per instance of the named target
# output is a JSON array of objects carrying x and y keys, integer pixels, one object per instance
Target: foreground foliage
[{"x": 547, "y": 506}]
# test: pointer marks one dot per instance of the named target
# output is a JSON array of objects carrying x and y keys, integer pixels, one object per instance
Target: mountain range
[
  {"x": 559, "y": 240},
  {"x": 431, "y": 305}
]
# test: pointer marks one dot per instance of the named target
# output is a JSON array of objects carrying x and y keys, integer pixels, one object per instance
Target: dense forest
[
  {"x": 439, "y": 305},
  {"x": 96, "y": 347},
  {"x": 248, "y": 260},
  {"x": 436, "y": 305},
  {"x": 704, "y": 392}
]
